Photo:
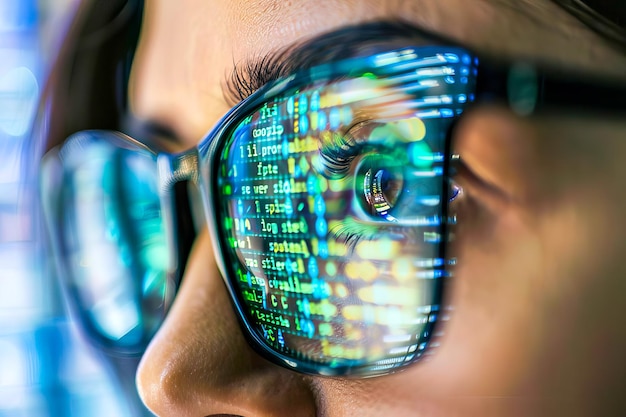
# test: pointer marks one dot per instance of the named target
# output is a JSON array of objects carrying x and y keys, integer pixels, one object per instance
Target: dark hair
[
  {"x": 605, "y": 17},
  {"x": 87, "y": 85}
]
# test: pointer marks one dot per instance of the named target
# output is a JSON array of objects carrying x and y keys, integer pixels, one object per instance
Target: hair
[
  {"x": 87, "y": 86},
  {"x": 606, "y": 18}
]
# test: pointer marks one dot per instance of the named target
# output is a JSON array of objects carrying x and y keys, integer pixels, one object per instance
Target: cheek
[
  {"x": 539, "y": 252},
  {"x": 492, "y": 339},
  {"x": 536, "y": 292}
]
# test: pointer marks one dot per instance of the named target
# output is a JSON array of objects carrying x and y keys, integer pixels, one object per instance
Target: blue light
[
  {"x": 447, "y": 113},
  {"x": 312, "y": 268},
  {"x": 303, "y": 105},
  {"x": 320, "y": 206},
  {"x": 451, "y": 58},
  {"x": 18, "y": 96},
  {"x": 290, "y": 106},
  {"x": 18, "y": 15},
  {"x": 321, "y": 227},
  {"x": 304, "y": 125},
  {"x": 335, "y": 118},
  {"x": 322, "y": 249},
  {"x": 322, "y": 120},
  {"x": 315, "y": 101}
]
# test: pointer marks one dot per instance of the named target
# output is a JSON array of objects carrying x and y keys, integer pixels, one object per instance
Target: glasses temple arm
[{"x": 528, "y": 90}]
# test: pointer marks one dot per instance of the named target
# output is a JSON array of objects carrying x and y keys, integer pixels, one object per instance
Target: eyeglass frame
[{"x": 508, "y": 84}]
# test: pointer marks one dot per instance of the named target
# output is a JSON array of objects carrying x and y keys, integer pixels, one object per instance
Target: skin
[{"x": 538, "y": 292}]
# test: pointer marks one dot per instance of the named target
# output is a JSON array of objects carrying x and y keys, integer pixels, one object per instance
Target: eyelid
[
  {"x": 156, "y": 135},
  {"x": 358, "y": 40},
  {"x": 478, "y": 189}
]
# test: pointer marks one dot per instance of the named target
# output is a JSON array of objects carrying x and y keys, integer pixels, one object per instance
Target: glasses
[{"x": 327, "y": 195}]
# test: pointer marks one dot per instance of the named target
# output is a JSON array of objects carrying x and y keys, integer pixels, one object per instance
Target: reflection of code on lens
[{"x": 335, "y": 202}]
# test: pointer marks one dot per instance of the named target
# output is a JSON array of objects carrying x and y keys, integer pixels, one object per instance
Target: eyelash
[
  {"x": 350, "y": 232},
  {"x": 249, "y": 77},
  {"x": 339, "y": 149},
  {"x": 337, "y": 152},
  {"x": 336, "y": 155}
]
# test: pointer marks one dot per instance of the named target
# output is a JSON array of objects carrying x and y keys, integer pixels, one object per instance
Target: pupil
[{"x": 381, "y": 188}]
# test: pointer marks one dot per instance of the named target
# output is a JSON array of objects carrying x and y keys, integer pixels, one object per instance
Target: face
[{"x": 537, "y": 294}]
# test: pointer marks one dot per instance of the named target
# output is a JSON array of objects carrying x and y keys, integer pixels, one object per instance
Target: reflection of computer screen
[{"x": 334, "y": 210}]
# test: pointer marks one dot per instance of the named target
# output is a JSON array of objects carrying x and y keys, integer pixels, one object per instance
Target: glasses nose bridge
[
  {"x": 175, "y": 168},
  {"x": 175, "y": 172}
]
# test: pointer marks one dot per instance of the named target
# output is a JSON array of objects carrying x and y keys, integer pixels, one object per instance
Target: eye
[
  {"x": 389, "y": 188},
  {"x": 335, "y": 207},
  {"x": 379, "y": 185}
]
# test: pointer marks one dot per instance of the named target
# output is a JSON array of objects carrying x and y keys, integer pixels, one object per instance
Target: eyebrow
[{"x": 349, "y": 41}]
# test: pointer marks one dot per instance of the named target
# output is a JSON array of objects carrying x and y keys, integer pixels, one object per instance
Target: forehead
[{"x": 189, "y": 47}]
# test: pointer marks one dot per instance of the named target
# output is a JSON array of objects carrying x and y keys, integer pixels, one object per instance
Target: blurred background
[{"x": 45, "y": 368}]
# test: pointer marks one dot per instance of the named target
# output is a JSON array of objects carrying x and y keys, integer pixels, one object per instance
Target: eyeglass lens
[{"x": 333, "y": 201}]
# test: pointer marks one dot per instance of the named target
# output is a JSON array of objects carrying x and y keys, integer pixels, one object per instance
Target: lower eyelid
[{"x": 350, "y": 231}]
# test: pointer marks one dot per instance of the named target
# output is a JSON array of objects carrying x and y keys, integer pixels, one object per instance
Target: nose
[{"x": 199, "y": 363}]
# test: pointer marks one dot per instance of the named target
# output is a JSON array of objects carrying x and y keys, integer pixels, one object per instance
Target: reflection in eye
[
  {"x": 379, "y": 185},
  {"x": 389, "y": 169},
  {"x": 381, "y": 188},
  {"x": 390, "y": 188}
]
